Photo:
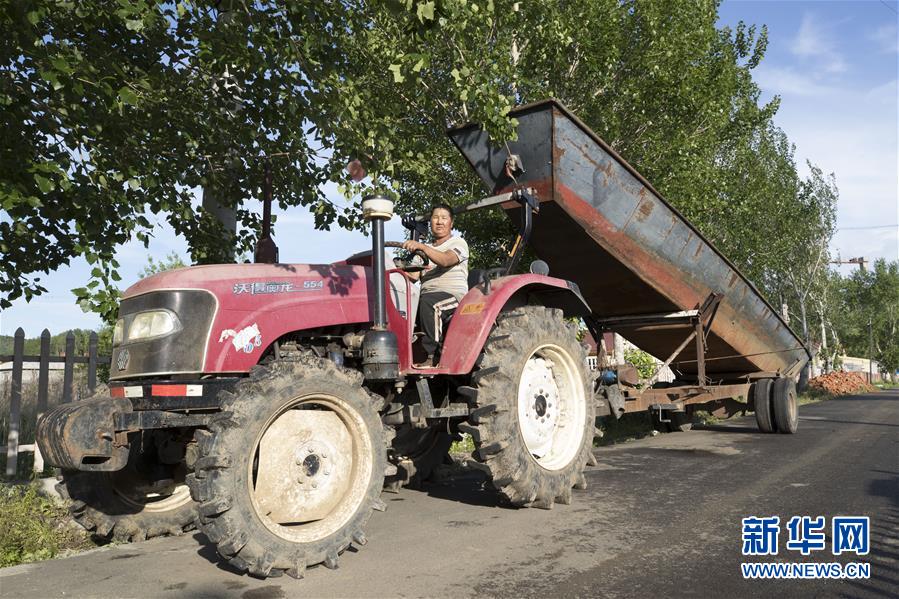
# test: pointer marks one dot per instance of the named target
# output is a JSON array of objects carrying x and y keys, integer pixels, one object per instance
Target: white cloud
[
  {"x": 787, "y": 81},
  {"x": 883, "y": 94},
  {"x": 814, "y": 41},
  {"x": 887, "y": 38}
]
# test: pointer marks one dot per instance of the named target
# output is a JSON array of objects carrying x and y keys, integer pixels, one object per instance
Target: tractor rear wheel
[
  {"x": 534, "y": 415},
  {"x": 288, "y": 475}
]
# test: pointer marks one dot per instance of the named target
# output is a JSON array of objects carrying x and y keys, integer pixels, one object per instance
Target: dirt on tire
[
  {"x": 494, "y": 423},
  {"x": 222, "y": 480}
]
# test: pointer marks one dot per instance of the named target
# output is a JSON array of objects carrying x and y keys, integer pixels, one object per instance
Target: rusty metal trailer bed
[{"x": 642, "y": 268}]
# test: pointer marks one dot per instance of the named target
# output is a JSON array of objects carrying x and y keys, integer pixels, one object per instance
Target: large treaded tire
[
  {"x": 104, "y": 506},
  {"x": 761, "y": 398},
  {"x": 518, "y": 337},
  {"x": 98, "y": 506},
  {"x": 783, "y": 400},
  {"x": 224, "y": 474}
]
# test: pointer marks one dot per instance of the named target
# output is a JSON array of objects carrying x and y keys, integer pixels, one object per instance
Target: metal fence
[{"x": 12, "y": 449}]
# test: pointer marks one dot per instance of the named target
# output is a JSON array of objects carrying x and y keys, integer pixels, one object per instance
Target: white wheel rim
[
  {"x": 551, "y": 407},
  {"x": 313, "y": 468},
  {"x": 143, "y": 496},
  {"x": 155, "y": 502}
]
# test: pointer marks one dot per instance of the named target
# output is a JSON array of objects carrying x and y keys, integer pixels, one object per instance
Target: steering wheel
[{"x": 410, "y": 267}]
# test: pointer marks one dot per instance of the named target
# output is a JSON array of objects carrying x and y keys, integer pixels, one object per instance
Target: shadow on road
[
  {"x": 723, "y": 428},
  {"x": 469, "y": 487},
  {"x": 208, "y": 552},
  {"x": 819, "y": 419}
]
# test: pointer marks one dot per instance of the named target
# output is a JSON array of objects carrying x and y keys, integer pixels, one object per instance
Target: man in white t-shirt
[{"x": 444, "y": 284}]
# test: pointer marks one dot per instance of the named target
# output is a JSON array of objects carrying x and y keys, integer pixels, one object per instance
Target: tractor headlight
[
  {"x": 152, "y": 323},
  {"x": 118, "y": 332}
]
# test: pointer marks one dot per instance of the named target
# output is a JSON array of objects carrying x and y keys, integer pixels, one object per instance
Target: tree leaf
[{"x": 127, "y": 96}]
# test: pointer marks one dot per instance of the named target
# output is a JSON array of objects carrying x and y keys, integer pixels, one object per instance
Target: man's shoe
[{"x": 429, "y": 363}]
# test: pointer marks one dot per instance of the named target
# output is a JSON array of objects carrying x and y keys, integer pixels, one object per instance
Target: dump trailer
[{"x": 642, "y": 268}]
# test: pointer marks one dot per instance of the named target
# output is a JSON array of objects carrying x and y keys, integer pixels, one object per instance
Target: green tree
[
  {"x": 115, "y": 111},
  {"x": 871, "y": 314},
  {"x": 170, "y": 262}
]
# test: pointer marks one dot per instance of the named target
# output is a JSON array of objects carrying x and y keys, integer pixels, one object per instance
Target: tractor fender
[{"x": 477, "y": 313}]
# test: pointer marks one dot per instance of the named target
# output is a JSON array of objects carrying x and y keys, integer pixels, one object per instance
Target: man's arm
[{"x": 441, "y": 259}]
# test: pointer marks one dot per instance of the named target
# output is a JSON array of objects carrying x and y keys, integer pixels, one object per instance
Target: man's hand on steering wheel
[
  {"x": 410, "y": 245},
  {"x": 415, "y": 248}
]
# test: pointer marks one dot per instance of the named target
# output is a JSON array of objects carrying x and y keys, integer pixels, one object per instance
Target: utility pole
[
  {"x": 859, "y": 260},
  {"x": 870, "y": 351}
]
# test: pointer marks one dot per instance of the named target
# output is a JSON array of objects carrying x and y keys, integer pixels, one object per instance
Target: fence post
[
  {"x": 70, "y": 368},
  {"x": 92, "y": 364},
  {"x": 15, "y": 404},
  {"x": 43, "y": 384},
  {"x": 43, "y": 375}
]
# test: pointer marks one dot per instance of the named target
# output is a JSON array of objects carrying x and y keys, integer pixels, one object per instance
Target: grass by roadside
[
  {"x": 34, "y": 527},
  {"x": 813, "y": 395}
]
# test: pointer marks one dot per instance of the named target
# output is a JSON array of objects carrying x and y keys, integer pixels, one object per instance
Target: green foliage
[
  {"x": 170, "y": 262},
  {"x": 100, "y": 133},
  {"x": 645, "y": 363},
  {"x": 32, "y": 345},
  {"x": 464, "y": 446},
  {"x": 30, "y": 526},
  {"x": 869, "y": 304}
]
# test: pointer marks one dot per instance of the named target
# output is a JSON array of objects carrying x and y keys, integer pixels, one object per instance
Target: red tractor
[{"x": 270, "y": 404}]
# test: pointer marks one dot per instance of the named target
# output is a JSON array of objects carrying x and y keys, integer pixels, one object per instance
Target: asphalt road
[{"x": 661, "y": 517}]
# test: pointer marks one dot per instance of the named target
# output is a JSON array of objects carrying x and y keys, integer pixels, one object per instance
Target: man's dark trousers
[{"x": 435, "y": 308}]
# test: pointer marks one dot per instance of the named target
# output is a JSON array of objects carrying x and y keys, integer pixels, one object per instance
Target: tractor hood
[{"x": 221, "y": 318}]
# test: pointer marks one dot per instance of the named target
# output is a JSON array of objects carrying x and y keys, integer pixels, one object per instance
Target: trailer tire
[
  {"x": 786, "y": 413},
  {"x": 761, "y": 398},
  {"x": 263, "y": 478},
  {"x": 520, "y": 435}
]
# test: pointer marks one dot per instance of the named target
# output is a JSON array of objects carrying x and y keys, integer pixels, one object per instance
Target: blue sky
[{"x": 834, "y": 65}]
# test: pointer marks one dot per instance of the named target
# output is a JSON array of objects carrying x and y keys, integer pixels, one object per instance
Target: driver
[{"x": 444, "y": 284}]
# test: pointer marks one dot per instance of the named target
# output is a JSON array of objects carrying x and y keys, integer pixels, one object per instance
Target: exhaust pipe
[{"x": 380, "y": 353}]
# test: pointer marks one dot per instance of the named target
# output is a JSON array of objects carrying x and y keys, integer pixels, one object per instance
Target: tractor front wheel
[
  {"x": 146, "y": 499},
  {"x": 534, "y": 416},
  {"x": 288, "y": 475}
]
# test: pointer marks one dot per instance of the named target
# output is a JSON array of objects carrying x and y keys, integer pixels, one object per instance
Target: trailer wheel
[
  {"x": 786, "y": 414},
  {"x": 289, "y": 473},
  {"x": 761, "y": 397},
  {"x": 534, "y": 415}
]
